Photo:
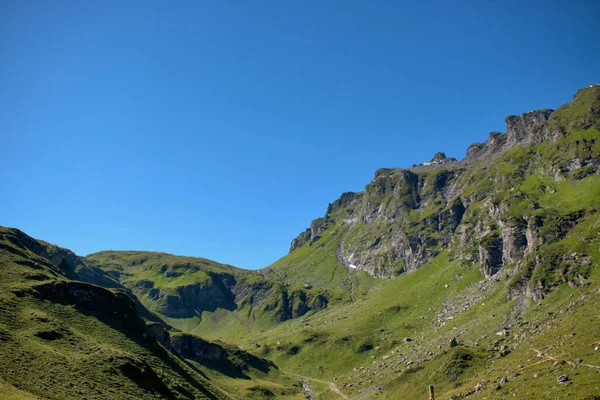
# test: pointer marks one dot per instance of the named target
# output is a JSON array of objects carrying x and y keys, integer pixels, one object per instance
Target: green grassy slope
[
  {"x": 165, "y": 270},
  {"x": 317, "y": 266},
  {"x": 396, "y": 341},
  {"x": 530, "y": 221},
  {"x": 63, "y": 339},
  {"x": 208, "y": 298}
]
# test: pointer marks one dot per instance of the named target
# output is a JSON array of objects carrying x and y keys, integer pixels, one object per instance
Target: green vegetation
[
  {"x": 63, "y": 339},
  {"x": 480, "y": 277}
]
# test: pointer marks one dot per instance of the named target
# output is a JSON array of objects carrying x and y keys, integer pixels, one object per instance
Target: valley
[{"x": 478, "y": 276}]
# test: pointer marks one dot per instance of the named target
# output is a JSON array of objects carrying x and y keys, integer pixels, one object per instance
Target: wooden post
[{"x": 431, "y": 395}]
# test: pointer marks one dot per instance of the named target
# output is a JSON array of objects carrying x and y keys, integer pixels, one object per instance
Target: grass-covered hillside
[
  {"x": 398, "y": 340},
  {"x": 502, "y": 250},
  {"x": 208, "y": 298},
  {"x": 61, "y": 338}
]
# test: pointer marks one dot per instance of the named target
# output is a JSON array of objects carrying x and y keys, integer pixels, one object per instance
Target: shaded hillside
[{"x": 61, "y": 338}]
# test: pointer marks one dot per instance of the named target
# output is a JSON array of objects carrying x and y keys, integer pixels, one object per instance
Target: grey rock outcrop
[{"x": 405, "y": 217}]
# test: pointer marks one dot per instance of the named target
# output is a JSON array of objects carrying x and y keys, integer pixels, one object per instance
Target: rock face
[
  {"x": 196, "y": 349},
  {"x": 495, "y": 144},
  {"x": 312, "y": 234},
  {"x": 187, "y": 346},
  {"x": 529, "y": 128},
  {"x": 230, "y": 360},
  {"x": 187, "y": 300},
  {"x": 282, "y": 302},
  {"x": 485, "y": 208},
  {"x": 186, "y": 287},
  {"x": 438, "y": 161}
]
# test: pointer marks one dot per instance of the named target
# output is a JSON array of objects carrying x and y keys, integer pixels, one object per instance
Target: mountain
[
  {"x": 508, "y": 200},
  {"x": 493, "y": 207},
  {"x": 64, "y": 338},
  {"x": 479, "y": 276},
  {"x": 205, "y": 297},
  {"x": 487, "y": 266}
]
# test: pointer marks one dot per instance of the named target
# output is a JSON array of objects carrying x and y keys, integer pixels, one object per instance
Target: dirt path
[{"x": 332, "y": 386}]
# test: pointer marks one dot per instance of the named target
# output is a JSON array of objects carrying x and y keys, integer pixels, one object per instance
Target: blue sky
[{"x": 221, "y": 129}]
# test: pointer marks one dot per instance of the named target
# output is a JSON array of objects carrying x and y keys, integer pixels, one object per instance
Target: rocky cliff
[
  {"x": 508, "y": 198},
  {"x": 187, "y": 287},
  {"x": 498, "y": 208}
]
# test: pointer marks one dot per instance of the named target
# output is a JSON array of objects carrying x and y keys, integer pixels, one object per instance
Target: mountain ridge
[
  {"x": 421, "y": 206},
  {"x": 532, "y": 128},
  {"x": 445, "y": 272}
]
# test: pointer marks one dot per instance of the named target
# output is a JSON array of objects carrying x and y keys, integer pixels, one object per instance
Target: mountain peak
[{"x": 439, "y": 156}]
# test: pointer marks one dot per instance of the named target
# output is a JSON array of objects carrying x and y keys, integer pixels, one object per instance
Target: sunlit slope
[
  {"x": 398, "y": 340},
  {"x": 513, "y": 278},
  {"x": 205, "y": 297}
]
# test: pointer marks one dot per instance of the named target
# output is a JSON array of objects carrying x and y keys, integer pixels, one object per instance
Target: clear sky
[{"x": 222, "y": 128}]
